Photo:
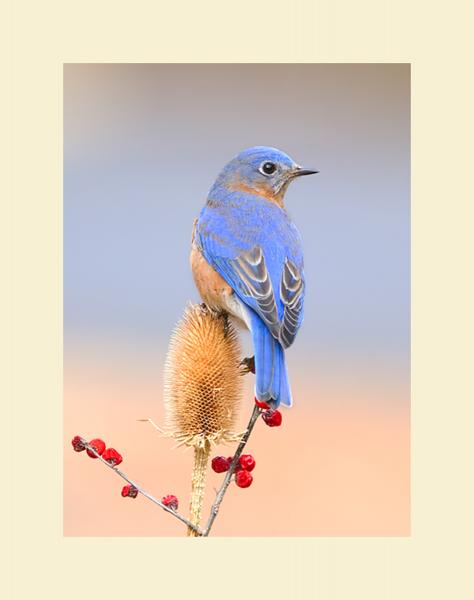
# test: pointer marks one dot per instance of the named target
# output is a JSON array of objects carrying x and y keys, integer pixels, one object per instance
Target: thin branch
[
  {"x": 142, "y": 491},
  {"x": 152, "y": 423},
  {"x": 228, "y": 476}
]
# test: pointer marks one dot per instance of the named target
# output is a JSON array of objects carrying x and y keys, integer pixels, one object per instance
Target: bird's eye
[{"x": 268, "y": 168}]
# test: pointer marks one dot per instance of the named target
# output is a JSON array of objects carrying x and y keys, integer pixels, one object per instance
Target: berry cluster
[
  {"x": 129, "y": 491},
  {"x": 220, "y": 464},
  {"x": 170, "y": 501},
  {"x": 110, "y": 455},
  {"x": 272, "y": 417},
  {"x": 113, "y": 458},
  {"x": 245, "y": 464}
]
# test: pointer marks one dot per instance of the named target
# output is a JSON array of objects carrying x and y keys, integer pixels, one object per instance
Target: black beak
[{"x": 300, "y": 171}]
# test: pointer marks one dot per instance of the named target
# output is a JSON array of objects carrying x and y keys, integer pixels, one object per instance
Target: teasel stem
[{"x": 198, "y": 483}]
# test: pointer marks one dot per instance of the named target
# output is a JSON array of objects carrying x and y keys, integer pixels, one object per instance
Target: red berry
[
  {"x": 237, "y": 466},
  {"x": 130, "y": 491},
  {"x": 78, "y": 443},
  {"x": 112, "y": 456},
  {"x": 261, "y": 404},
  {"x": 220, "y": 464},
  {"x": 243, "y": 479},
  {"x": 170, "y": 501},
  {"x": 272, "y": 418},
  {"x": 98, "y": 445},
  {"x": 247, "y": 462}
]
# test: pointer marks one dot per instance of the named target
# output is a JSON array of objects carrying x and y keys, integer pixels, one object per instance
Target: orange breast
[{"x": 213, "y": 289}]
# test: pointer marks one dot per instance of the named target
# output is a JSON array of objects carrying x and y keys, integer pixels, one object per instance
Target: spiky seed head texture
[{"x": 203, "y": 379}]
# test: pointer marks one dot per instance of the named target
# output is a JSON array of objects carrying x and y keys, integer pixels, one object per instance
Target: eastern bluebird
[{"x": 247, "y": 260}]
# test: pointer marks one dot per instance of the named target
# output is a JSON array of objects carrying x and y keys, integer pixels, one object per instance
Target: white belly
[{"x": 237, "y": 309}]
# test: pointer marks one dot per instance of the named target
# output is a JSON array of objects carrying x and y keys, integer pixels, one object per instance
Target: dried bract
[{"x": 203, "y": 379}]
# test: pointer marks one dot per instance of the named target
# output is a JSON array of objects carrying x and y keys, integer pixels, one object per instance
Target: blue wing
[{"x": 255, "y": 247}]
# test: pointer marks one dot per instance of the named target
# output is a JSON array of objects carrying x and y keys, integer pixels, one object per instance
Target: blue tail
[{"x": 270, "y": 369}]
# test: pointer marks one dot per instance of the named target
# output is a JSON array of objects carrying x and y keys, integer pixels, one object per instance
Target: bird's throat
[{"x": 262, "y": 191}]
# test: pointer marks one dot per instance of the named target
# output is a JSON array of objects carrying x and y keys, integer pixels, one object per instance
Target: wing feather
[
  {"x": 279, "y": 304},
  {"x": 291, "y": 294},
  {"x": 253, "y": 274}
]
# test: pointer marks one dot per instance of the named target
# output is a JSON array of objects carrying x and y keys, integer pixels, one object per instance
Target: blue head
[{"x": 261, "y": 171}]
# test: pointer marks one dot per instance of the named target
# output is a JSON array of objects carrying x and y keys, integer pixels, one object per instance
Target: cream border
[{"x": 433, "y": 562}]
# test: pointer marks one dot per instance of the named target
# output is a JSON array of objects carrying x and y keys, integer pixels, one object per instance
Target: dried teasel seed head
[{"x": 203, "y": 379}]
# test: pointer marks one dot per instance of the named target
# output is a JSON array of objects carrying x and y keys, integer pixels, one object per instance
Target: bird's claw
[{"x": 248, "y": 365}]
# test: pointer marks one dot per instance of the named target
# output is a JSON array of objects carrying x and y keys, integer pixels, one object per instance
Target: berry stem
[
  {"x": 228, "y": 476},
  {"x": 121, "y": 474},
  {"x": 198, "y": 483}
]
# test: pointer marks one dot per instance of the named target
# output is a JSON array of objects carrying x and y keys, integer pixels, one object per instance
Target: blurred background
[{"x": 142, "y": 146}]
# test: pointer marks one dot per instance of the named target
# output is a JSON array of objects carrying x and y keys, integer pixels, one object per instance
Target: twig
[
  {"x": 225, "y": 484},
  {"x": 143, "y": 492},
  {"x": 152, "y": 423}
]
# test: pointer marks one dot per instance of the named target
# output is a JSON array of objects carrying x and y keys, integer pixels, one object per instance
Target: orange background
[{"x": 334, "y": 468}]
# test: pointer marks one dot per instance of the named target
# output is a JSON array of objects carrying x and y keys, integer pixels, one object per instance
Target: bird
[{"x": 247, "y": 260}]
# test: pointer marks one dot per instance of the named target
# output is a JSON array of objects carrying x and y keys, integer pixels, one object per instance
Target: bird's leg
[
  {"x": 225, "y": 317},
  {"x": 248, "y": 365}
]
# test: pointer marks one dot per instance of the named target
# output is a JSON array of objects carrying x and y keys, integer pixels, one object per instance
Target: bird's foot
[{"x": 248, "y": 365}]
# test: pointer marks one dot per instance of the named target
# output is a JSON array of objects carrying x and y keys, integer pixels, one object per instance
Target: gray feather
[{"x": 291, "y": 294}]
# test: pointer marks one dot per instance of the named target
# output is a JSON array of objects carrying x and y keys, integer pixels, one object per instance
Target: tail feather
[
  {"x": 270, "y": 369},
  {"x": 285, "y": 391}
]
